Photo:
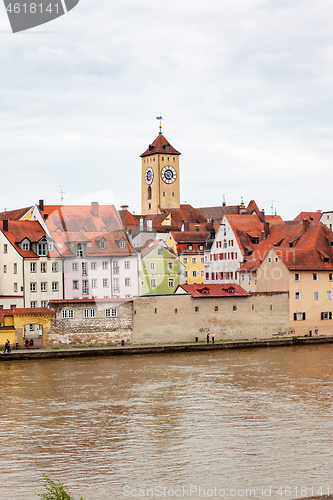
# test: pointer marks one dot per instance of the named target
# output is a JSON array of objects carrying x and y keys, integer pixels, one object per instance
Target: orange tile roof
[
  {"x": 158, "y": 146},
  {"x": 18, "y": 230},
  {"x": 312, "y": 216},
  {"x": 15, "y": 214},
  {"x": 301, "y": 245},
  {"x": 217, "y": 213},
  {"x": 214, "y": 290}
]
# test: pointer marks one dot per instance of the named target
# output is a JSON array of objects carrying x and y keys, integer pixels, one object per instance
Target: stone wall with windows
[
  {"x": 181, "y": 318},
  {"x": 90, "y": 323}
]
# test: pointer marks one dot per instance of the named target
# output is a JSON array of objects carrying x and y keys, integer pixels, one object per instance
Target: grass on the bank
[{"x": 55, "y": 490}]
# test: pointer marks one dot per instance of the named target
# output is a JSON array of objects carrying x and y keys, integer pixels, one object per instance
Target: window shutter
[
  {"x": 303, "y": 315},
  {"x": 321, "y": 315},
  {"x": 295, "y": 317},
  {"x": 330, "y": 315}
]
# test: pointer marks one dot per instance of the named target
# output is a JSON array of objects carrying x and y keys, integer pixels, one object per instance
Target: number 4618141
[{"x": 32, "y": 8}]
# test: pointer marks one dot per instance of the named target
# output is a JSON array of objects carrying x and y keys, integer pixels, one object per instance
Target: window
[
  {"x": 94, "y": 283},
  {"x": 276, "y": 259},
  {"x": 152, "y": 266},
  {"x": 190, "y": 247},
  {"x": 315, "y": 295},
  {"x": 33, "y": 303},
  {"x": 105, "y": 283},
  {"x": 5, "y": 248},
  {"x": 111, "y": 313},
  {"x": 43, "y": 303},
  {"x": 153, "y": 283},
  {"x": 185, "y": 260},
  {"x": 75, "y": 266},
  {"x": 171, "y": 282},
  {"x": 194, "y": 260},
  {"x": 54, "y": 267},
  {"x": 202, "y": 273},
  {"x": 160, "y": 251},
  {"x": 32, "y": 267},
  {"x": 75, "y": 285},
  {"x": 93, "y": 266},
  {"x": 216, "y": 308},
  {"x": 186, "y": 274},
  {"x": 33, "y": 287},
  {"x": 194, "y": 274},
  {"x": 43, "y": 287},
  {"x": 330, "y": 277},
  {"x": 242, "y": 277},
  {"x": 299, "y": 316},
  {"x": 79, "y": 250},
  {"x": 127, "y": 264},
  {"x": 202, "y": 260},
  {"x": 122, "y": 244},
  {"x": 115, "y": 267},
  {"x": 297, "y": 296},
  {"x": 15, "y": 287},
  {"x": 170, "y": 265},
  {"x": 15, "y": 268},
  {"x": 102, "y": 244},
  {"x": 329, "y": 295},
  {"x": 42, "y": 249},
  {"x": 25, "y": 247},
  {"x": 89, "y": 313},
  {"x": 105, "y": 265},
  {"x": 5, "y": 268},
  {"x": 127, "y": 281},
  {"x": 196, "y": 309},
  {"x": 54, "y": 286},
  {"x": 86, "y": 313},
  {"x": 116, "y": 285},
  {"x": 31, "y": 327},
  {"x": 269, "y": 259},
  {"x": 326, "y": 315},
  {"x": 85, "y": 289},
  {"x": 249, "y": 278},
  {"x": 234, "y": 308},
  {"x": 297, "y": 277},
  {"x": 68, "y": 313},
  {"x": 84, "y": 269},
  {"x": 315, "y": 276}
]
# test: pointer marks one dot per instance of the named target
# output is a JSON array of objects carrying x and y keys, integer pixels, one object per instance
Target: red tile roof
[
  {"x": 217, "y": 213},
  {"x": 158, "y": 146},
  {"x": 15, "y": 214},
  {"x": 24, "y": 310},
  {"x": 18, "y": 230},
  {"x": 252, "y": 207},
  {"x": 214, "y": 290},
  {"x": 301, "y": 245},
  {"x": 311, "y": 216}
]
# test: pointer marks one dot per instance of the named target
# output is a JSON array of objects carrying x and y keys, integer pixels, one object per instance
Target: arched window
[{"x": 149, "y": 193}]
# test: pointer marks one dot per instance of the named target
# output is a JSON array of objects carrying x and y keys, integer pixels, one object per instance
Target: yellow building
[
  {"x": 190, "y": 247},
  {"x": 160, "y": 177}
]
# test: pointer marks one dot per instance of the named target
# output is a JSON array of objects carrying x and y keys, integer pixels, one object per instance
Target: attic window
[
  {"x": 190, "y": 247},
  {"x": 166, "y": 147},
  {"x": 151, "y": 147},
  {"x": 82, "y": 230},
  {"x": 255, "y": 240},
  {"x": 58, "y": 230},
  {"x": 122, "y": 243},
  {"x": 104, "y": 230},
  {"x": 102, "y": 244}
]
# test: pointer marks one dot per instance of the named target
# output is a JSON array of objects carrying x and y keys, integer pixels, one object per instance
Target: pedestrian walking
[
  {"x": 213, "y": 337},
  {"x": 207, "y": 338},
  {"x": 316, "y": 332},
  {"x": 7, "y": 346}
]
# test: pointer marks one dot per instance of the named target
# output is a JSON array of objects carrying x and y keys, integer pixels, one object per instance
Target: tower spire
[{"x": 160, "y": 118}]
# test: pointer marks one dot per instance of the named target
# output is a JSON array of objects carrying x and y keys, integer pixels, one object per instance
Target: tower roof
[{"x": 160, "y": 145}]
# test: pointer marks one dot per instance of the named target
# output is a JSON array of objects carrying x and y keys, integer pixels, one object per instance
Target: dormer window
[
  {"x": 79, "y": 250},
  {"x": 102, "y": 244},
  {"x": 26, "y": 247},
  {"x": 82, "y": 230},
  {"x": 167, "y": 147},
  {"x": 122, "y": 243},
  {"x": 42, "y": 248},
  {"x": 190, "y": 247}
]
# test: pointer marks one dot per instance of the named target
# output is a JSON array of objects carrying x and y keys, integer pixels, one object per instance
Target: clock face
[
  {"x": 149, "y": 175},
  {"x": 168, "y": 174}
]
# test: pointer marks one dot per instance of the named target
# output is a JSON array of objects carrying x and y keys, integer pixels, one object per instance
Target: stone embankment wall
[
  {"x": 181, "y": 318},
  {"x": 96, "y": 330}
]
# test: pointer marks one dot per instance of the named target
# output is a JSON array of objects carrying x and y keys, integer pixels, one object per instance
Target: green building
[{"x": 160, "y": 269}]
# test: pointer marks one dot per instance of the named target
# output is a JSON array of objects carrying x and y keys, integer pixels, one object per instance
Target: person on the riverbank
[
  {"x": 7, "y": 346},
  {"x": 316, "y": 332},
  {"x": 207, "y": 338},
  {"x": 31, "y": 343},
  {"x": 27, "y": 343},
  {"x": 213, "y": 337}
]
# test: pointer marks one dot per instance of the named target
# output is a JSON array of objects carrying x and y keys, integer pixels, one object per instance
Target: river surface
[{"x": 223, "y": 424}]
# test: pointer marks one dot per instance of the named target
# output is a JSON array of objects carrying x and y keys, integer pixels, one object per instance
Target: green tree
[{"x": 55, "y": 490}]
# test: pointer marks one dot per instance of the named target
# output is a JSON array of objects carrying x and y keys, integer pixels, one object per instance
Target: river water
[{"x": 224, "y": 424}]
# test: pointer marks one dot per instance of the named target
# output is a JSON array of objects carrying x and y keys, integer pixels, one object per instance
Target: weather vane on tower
[{"x": 160, "y": 118}]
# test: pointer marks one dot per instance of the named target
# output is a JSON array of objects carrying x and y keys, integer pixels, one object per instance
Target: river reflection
[{"x": 235, "y": 420}]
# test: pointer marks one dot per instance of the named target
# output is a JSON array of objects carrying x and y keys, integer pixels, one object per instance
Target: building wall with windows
[
  {"x": 181, "y": 318},
  {"x": 160, "y": 271},
  {"x": 11, "y": 274},
  {"x": 42, "y": 281},
  {"x": 90, "y": 322},
  {"x": 271, "y": 275},
  {"x": 190, "y": 253}
]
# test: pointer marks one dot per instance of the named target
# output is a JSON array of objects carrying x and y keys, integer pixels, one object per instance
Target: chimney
[
  {"x": 262, "y": 215},
  {"x": 124, "y": 207},
  {"x": 41, "y": 205},
  {"x": 5, "y": 225},
  {"x": 141, "y": 224},
  {"x": 186, "y": 225},
  {"x": 266, "y": 229},
  {"x": 149, "y": 225},
  {"x": 306, "y": 224},
  {"x": 94, "y": 208}
]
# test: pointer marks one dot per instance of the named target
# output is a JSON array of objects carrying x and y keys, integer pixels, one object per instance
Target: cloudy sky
[{"x": 244, "y": 87}]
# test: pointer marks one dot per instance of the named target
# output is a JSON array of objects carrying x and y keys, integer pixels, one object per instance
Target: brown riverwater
[{"x": 225, "y": 422}]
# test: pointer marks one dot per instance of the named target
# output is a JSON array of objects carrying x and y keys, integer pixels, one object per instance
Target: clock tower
[{"x": 160, "y": 177}]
